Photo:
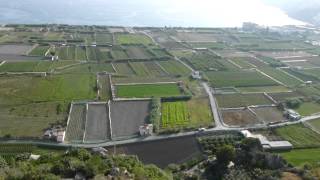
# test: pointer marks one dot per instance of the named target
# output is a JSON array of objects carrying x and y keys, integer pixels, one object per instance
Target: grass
[
  {"x": 299, "y": 157},
  {"x": 241, "y": 100},
  {"x": 206, "y": 61},
  {"x": 22, "y": 89},
  {"x": 133, "y": 39},
  {"x": 175, "y": 68},
  {"x": 33, "y": 66},
  {"x": 39, "y": 51},
  {"x": 299, "y": 136},
  {"x": 86, "y": 68},
  {"x": 239, "y": 79},
  {"x": 81, "y": 53},
  {"x": 281, "y": 76},
  {"x": 140, "y": 69},
  {"x": 268, "y": 89},
  {"x": 186, "y": 114},
  {"x": 315, "y": 123},
  {"x": 308, "y": 108},
  {"x": 123, "y": 68},
  {"x": 148, "y": 90}
]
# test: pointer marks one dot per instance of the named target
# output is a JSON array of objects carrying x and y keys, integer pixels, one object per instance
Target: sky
[{"x": 208, "y": 13}]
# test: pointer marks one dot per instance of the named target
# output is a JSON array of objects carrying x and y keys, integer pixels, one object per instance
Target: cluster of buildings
[
  {"x": 56, "y": 134},
  {"x": 266, "y": 144}
]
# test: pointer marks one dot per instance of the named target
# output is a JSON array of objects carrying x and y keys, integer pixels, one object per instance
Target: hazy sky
[{"x": 213, "y": 13}]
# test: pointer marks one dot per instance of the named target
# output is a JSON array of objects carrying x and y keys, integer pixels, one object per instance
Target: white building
[
  {"x": 196, "y": 75},
  {"x": 266, "y": 144},
  {"x": 292, "y": 115},
  {"x": 146, "y": 130}
]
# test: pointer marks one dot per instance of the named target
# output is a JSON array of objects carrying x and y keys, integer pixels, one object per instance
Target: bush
[{"x": 293, "y": 103}]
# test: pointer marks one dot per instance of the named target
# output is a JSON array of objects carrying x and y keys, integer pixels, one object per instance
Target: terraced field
[
  {"x": 148, "y": 90},
  {"x": 39, "y": 51},
  {"x": 77, "y": 122},
  {"x": 239, "y": 79},
  {"x": 123, "y": 68},
  {"x": 299, "y": 136},
  {"x": 175, "y": 68}
]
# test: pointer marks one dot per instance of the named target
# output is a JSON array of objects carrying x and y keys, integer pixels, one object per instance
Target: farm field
[
  {"x": 88, "y": 68},
  {"x": 181, "y": 150},
  {"x": 123, "y": 68},
  {"x": 138, "y": 52},
  {"x": 97, "y": 123},
  {"x": 183, "y": 114},
  {"x": 282, "y": 77},
  {"x": 175, "y": 68},
  {"x": 305, "y": 137},
  {"x": 196, "y": 37},
  {"x": 66, "y": 53},
  {"x": 80, "y": 53},
  {"x": 211, "y": 45},
  {"x": 104, "y": 87},
  {"x": 19, "y": 89},
  {"x": 15, "y": 49},
  {"x": 122, "y": 38},
  {"x": 127, "y": 117},
  {"x": 39, "y": 51},
  {"x": 104, "y": 38},
  {"x": 299, "y": 157},
  {"x": 262, "y": 89},
  {"x": 148, "y": 90},
  {"x": 308, "y": 108},
  {"x": 241, "y": 100},
  {"x": 77, "y": 123},
  {"x": 239, "y": 79},
  {"x": 29, "y": 119},
  {"x": 315, "y": 124},
  {"x": 282, "y": 97},
  {"x": 269, "y": 114},
  {"x": 119, "y": 54},
  {"x": 205, "y": 61},
  {"x": 239, "y": 118},
  {"x": 242, "y": 63}
]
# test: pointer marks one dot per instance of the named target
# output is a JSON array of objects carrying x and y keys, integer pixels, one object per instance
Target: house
[
  {"x": 266, "y": 144},
  {"x": 195, "y": 75},
  {"x": 292, "y": 115},
  {"x": 146, "y": 130},
  {"x": 56, "y": 133}
]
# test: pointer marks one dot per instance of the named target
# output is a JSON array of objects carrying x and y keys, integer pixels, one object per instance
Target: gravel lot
[
  {"x": 269, "y": 114},
  {"x": 163, "y": 152},
  {"x": 97, "y": 126},
  {"x": 240, "y": 118},
  {"x": 127, "y": 116},
  {"x": 14, "y": 49}
]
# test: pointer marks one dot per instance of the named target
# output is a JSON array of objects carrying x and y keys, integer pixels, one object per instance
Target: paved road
[{"x": 214, "y": 108}]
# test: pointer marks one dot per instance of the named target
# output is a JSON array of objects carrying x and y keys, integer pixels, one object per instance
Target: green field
[
  {"x": 261, "y": 89},
  {"x": 15, "y": 89},
  {"x": 132, "y": 39},
  {"x": 315, "y": 123},
  {"x": 66, "y": 53},
  {"x": 175, "y": 68},
  {"x": 81, "y": 53},
  {"x": 88, "y": 68},
  {"x": 140, "y": 69},
  {"x": 104, "y": 38},
  {"x": 119, "y": 54},
  {"x": 242, "y": 63},
  {"x": 148, "y": 90},
  {"x": 33, "y": 66},
  {"x": 205, "y": 61},
  {"x": 239, "y": 79},
  {"x": 241, "y": 100},
  {"x": 123, "y": 68},
  {"x": 299, "y": 157},
  {"x": 281, "y": 76},
  {"x": 299, "y": 136},
  {"x": 308, "y": 108},
  {"x": 186, "y": 114},
  {"x": 39, "y": 51}
]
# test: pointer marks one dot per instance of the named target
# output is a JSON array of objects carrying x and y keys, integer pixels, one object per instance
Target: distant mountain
[{"x": 303, "y": 10}]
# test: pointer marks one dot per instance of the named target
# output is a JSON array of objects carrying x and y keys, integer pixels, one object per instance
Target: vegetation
[
  {"x": 148, "y": 90},
  {"x": 299, "y": 136},
  {"x": 79, "y": 162}
]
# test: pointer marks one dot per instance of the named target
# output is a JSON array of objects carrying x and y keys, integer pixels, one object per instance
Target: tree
[
  {"x": 225, "y": 154},
  {"x": 251, "y": 144},
  {"x": 293, "y": 103}
]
